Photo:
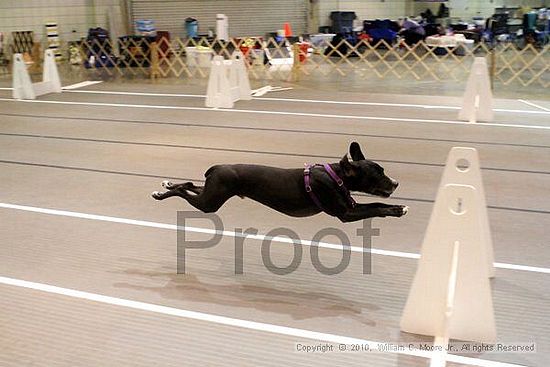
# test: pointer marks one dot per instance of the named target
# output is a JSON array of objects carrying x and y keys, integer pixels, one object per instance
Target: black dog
[{"x": 295, "y": 192}]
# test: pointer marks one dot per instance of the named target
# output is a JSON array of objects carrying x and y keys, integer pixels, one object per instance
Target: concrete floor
[{"x": 103, "y": 153}]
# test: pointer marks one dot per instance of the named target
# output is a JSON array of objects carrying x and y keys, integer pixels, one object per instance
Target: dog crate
[{"x": 342, "y": 21}]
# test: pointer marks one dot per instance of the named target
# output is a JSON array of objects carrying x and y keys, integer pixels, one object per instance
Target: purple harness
[{"x": 335, "y": 178}]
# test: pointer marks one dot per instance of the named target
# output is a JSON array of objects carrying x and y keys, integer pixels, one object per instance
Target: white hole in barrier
[
  {"x": 457, "y": 207},
  {"x": 462, "y": 165}
]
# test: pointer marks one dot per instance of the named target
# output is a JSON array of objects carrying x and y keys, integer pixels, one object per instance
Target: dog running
[{"x": 299, "y": 192}]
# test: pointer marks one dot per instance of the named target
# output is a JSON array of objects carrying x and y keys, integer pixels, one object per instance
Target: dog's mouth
[
  {"x": 383, "y": 193},
  {"x": 386, "y": 193}
]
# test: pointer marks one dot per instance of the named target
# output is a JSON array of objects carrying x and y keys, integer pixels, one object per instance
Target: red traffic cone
[{"x": 288, "y": 30}]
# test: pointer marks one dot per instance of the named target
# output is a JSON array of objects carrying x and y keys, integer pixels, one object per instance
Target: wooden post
[
  {"x": 493, "y": 67},
  {"x": 155, "y": 73},
  {"x": 36, "y": 65},
  {"x": 296, "y": 65}
]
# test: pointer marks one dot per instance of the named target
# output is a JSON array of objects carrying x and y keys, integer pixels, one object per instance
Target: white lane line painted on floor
[
  {"x": 81, "y": 85},
  {"x": 240, "y": 323},
  {"x": 258, "y": 237},
  {"x": 144, "y": 94},
  {"x": 522, "y": 111},
  {"x": 305, "y": 101},
  {"x": 71, "y": 87},
  {"x": 271, "y": 99},
  {"x": 544, "y": 111},
  {"x": 534, "y": 105},
  {"x": 285, "y": 113}
]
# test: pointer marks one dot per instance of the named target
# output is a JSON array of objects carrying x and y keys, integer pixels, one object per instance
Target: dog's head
[{"x": 366, "y": 176}]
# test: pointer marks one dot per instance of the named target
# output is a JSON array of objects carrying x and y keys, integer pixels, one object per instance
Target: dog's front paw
[
  {"x": 399, "y": 210},
  {"x": 156, "y": 195}
]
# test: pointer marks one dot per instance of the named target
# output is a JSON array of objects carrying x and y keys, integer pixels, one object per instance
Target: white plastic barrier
[
  {"x": 283, "y": 60},
  {"x": 457, "y": 173},
  {"x": 201, "y": 58},
  {"x": 228, "y": 82},
  {"x": 451, "y": 295},
  {"x": 23, "y": 88},
  {"x": 478, "y": 98}
]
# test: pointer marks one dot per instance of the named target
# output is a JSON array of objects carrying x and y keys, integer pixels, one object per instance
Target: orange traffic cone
[{"x": 288, "y": 30}]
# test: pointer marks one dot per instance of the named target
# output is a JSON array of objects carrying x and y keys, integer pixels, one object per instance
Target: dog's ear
[
  {"x": 355, "y": 152},
  {"x": 347, "y": 167}
]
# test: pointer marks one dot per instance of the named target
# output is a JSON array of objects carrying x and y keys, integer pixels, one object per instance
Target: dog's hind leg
[
  {"x": 217, "y": 189},
  {"x": 164, "y": 195},
  {"x": 184, "y": 186},
  {"x": 169, "y": 185},
  {"x": 195, "y": 189},
  {"x": 208, "y": 201},
  {"x": 177, "y": 190}
]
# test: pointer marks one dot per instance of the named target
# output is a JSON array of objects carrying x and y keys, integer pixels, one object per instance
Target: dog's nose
[{"x": 394, "y": 183}]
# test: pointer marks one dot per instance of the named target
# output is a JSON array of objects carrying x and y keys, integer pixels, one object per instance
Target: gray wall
[
  {"x": 304, "y": 15},
  {"x": 77, "y": 15},
  {"x": 246, "y": 17}
]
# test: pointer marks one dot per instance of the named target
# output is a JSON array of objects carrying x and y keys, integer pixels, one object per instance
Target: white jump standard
[
  {"x": 23, "y": 88},
  {"x": 228, "y": 82},
  {"x": 478, "y": 97},
  {"x": 450, "y": 297}
]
